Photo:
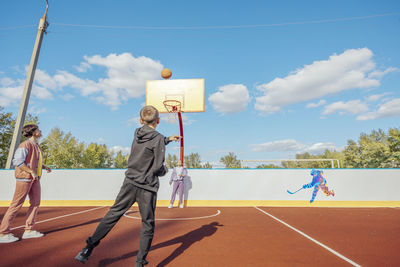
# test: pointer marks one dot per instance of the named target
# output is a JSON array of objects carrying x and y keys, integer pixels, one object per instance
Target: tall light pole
[{"x": 28, "y": 88}]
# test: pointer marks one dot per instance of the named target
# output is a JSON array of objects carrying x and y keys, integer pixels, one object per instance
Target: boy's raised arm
[
  {"x": 159, "y": 155},
  {"x": 172, "y": 138}
]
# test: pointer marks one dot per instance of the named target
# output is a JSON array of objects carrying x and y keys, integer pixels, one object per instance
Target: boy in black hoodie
[{"x": 145, "y": 165}]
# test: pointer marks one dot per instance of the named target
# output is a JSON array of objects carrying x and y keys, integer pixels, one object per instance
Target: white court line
[
  {"x": 312, "y": 239},
  {"x": 63, "y": 216},
  {"x": 178, "y": 219}
]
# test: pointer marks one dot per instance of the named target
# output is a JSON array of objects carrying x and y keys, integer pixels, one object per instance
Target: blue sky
[{"x": 281, "y": 77}]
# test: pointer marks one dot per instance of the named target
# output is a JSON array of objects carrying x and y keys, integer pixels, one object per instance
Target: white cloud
[
  {"x": 45, "y": 80},
  {"x": 83, "y": 67},
  {"x": 67, "y": 97},
  {"x": 41, "y": 92},
  {"x": 379, "y": 74},
  {"x": 319, "y": 148},
  {"x": 134, "y": 121},
  {"x": 292, "y": 145},
  {"x": 124, "y": 150},
  {"x": 231, "y": 98},
  {"x": 36, "y": 110},
  {"x": 315, "y": 105},
  {"x": 351, "y": 70},
  {"x": 125, "y": 78},
  {"x": 353, "y": 107},
  {"x": 277, "y": 146},
  {"x": 373, "y": 98},
  {"x": 11, "y": 90},
  {"x": 12, "y": 93},
  {"x": 388, "y": 109},
  {"x": 6, "y": 81}
]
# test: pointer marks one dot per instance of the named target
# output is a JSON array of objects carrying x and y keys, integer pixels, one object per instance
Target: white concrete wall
[{"x": 221, "y": 184}]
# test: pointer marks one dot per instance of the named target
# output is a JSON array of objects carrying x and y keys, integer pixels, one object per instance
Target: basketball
[{"x": 166, "y": 73}]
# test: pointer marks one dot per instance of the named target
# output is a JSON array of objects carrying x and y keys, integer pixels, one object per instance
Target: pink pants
[
  {"x": 22, "y": 189},
  {"x": 178, "y": 186}
]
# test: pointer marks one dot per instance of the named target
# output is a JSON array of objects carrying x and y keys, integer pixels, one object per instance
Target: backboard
[{"x": 190, "y": 92}]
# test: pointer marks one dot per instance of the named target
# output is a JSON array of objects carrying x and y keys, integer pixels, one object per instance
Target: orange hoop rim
[{"x": 172, "y": 106}]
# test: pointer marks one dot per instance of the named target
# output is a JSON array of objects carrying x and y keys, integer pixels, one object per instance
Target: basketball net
[{"x": 173, "y": 107}]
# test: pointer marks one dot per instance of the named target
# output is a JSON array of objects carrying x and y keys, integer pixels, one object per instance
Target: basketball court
[{"x": 215, "y": 236}]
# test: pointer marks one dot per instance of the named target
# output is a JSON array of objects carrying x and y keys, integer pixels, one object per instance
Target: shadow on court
[
  {"x": 78, "y": 225},
  {"x": 72, "y": 226},
  {"x": 185, "y": 242}
]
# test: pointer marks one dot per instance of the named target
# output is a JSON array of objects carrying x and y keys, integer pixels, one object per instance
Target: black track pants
[{"x": 127, "y": 196}]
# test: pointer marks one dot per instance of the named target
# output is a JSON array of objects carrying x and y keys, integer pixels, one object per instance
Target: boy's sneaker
[
  {"x": 333, "y": 193},
  {"x": 8, "y": 238},
  {"x": 181, "y": 206},
  {"x": 83, "y": 256},
  {"x": 170, "y": 206},
  {"x": 141, "y": 263},
  {"x": 32, "y": 234}
]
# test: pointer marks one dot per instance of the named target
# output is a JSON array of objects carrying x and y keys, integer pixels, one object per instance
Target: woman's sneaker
[
  {"x": 8, "y": 238},
  {"x": 181, "y": 206},
  {"x": 31, "y": 234},
  {"x": 170, "y": 206}
]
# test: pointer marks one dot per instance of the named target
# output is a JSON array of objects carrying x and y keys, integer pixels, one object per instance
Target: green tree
[
  {"x": 268, "y": 166},
  {"x": 374, "y": 150},
  {"x": 63, "y": 151},
  {"x": 352, "y": 155},
  {"x": 230, "y": 161},
  {"x": 7, "y": 124},
  {"x": 96, "y": 156},
  {"x": 394, "y": 146},
  {"x": 6, "y": 131},
  {"x": 193, "y": 161},
  {"x": 121, "y": 161},
  {"x": 207, "y": 165},
  {"x": 171, "y": 161}
]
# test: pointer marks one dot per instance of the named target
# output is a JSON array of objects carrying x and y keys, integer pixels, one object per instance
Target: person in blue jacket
[{"x": 318, "y": 182}]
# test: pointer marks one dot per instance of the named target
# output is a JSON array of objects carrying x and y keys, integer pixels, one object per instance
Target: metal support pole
[
  {"x": 27, "y": 89},
  {"x": 181, "y": 133}
]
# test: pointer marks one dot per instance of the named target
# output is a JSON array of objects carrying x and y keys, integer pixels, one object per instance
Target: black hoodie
[{"x": 146, "y": 161}]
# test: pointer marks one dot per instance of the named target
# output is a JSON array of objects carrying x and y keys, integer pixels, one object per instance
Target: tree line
[{"x": 61, "y": 150}]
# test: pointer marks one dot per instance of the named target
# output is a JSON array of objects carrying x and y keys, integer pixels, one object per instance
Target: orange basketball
[{"x": 166, "y": 73}]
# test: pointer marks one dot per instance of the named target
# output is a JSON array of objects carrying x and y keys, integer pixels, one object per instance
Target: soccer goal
[{"x": 280, "y": 163}]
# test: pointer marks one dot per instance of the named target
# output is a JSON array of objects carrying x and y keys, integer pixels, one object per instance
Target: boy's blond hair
[{"x": 149, "y": 115}]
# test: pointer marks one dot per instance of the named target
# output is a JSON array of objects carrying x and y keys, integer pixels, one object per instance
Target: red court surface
[{"x": 215, "y": 236}]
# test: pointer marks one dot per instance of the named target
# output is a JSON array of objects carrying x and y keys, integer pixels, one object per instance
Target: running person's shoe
[
  {"x": 141, "y": 263},
  {"x": 8, "y": 238},
  {"x": 31, "y": 234},
  {"x": 84, "y": 255}
]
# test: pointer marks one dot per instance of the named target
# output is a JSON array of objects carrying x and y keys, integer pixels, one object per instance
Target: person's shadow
[
  {"x": 187, "y": 182},
  {"x": 185, "y": 242}
]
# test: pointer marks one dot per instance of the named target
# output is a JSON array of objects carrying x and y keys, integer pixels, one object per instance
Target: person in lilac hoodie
[{"x": 177, "y": 177}]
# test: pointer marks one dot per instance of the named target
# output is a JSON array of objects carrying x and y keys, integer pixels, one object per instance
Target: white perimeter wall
[{"x": 221, "y": 184}]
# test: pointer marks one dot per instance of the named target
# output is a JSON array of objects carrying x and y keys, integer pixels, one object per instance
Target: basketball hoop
[{"x": 173, "y": 107}]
